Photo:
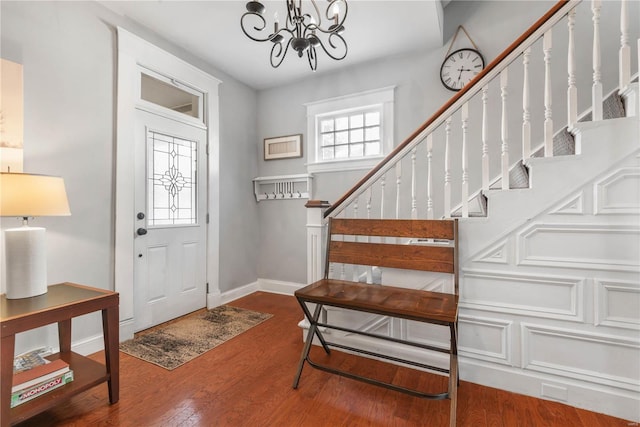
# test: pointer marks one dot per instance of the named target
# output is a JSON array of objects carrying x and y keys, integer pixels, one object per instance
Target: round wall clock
[{"x": 460, "y": 67}]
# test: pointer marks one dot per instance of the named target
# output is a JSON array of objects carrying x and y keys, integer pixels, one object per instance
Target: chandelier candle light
[
  {"x": 26, "y": 195},
  {"x": 303, "y": 30}
]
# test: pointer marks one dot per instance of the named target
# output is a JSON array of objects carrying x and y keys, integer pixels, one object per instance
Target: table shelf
[
  {"x": 59, "y": 305},
  {"x": 87, "y": 373}
]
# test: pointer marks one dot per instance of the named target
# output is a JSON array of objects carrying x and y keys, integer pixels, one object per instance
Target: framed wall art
[{"x": 283, "y": 147}]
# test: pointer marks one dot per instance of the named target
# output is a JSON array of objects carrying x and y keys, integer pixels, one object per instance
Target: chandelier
[{"x": 303, "y": 31}]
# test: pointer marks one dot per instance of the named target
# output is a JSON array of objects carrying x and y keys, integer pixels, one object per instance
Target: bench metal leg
[
  {"x": 314, "y": 319},
  {"x": 313, "y": 330},
  {"x": 453, "y": 376}
]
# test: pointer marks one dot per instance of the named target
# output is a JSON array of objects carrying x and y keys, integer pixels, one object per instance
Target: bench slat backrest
[{"x": 436, "y": 251}]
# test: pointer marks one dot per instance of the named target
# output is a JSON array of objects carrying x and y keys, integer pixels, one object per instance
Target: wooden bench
[{"x": 424, "y": 245}]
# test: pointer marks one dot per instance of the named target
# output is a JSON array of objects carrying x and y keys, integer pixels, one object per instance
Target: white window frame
[{"x": 383, "y": 97}]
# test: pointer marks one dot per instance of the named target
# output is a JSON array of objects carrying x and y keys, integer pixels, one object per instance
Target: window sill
[{"x": 344, "y": 165}]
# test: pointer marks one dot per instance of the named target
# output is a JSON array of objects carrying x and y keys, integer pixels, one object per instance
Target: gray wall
[
  {"x": 419, "y": 93},
  {"x": 69, "y": 52}
]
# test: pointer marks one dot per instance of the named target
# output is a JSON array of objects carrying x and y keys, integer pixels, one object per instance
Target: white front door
[{"x": 170, "y": 219}]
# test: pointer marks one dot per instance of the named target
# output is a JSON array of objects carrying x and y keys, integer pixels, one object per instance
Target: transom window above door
[{"x": 159, "y": 91}]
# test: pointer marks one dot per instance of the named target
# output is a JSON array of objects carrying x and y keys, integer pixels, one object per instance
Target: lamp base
[{"x": 26, "y": 262}]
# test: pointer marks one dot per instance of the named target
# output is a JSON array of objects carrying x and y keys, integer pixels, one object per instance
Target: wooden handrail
[{"x": 467, "y": 88}]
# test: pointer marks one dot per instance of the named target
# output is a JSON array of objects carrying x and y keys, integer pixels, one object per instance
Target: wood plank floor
[{"x": 247, "y": 382}]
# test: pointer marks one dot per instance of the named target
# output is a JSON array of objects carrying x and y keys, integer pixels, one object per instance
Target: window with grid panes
[
  {"x": 348, "y": 136},
  {"x": 350, "y": 132}
]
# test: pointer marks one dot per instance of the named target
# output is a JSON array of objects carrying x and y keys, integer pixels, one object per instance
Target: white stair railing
[{"x": 464, "y": 123}]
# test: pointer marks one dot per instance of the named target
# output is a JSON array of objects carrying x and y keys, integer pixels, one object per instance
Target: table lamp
[{"x": 26, "y": 195}]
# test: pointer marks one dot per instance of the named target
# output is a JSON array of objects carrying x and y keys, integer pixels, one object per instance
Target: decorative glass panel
[{"x": 172, "y": 187}]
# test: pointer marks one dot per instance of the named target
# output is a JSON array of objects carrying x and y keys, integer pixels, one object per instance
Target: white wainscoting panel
[
  {"x": 485, "y": 339},
  {"x": 583, "y": 246},
  {"x": 618, "y": 193},
  {"x": 574, "y": 205},
  {"x": 617, "y": 304},
  {"x": 530, "y": 295},
  {"x": 497, "y": 254},
  {"x": 596, "y": 358}
]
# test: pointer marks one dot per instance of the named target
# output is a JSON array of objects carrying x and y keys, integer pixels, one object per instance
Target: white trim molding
[
  {"x": 134, "y": 53},
  {"x": 597, "y": 358},
  {"x": 582, "y": 246},
  {"x": 383, "y": 97},
  {"x": 544, "y": 296}
]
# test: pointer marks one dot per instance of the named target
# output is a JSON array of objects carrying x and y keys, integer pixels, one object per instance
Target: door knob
[{"x": 141, "y": 231}]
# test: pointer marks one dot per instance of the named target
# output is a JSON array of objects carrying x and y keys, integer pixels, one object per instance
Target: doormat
[{"x": 175, "y": 343}]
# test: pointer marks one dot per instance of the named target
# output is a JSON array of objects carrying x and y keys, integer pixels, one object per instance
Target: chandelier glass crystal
[{"x": 304, "y": 31}]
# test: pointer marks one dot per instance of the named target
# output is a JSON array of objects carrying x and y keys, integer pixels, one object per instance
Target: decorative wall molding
[
  {"x": 496, "y": 254},
  {"x": 617, "y": 303},
  {"x": 584, "y": 246},
  {"x": 618, "y": 193},
  {"x": 596, "y": 358},
  {"x": 574, "y": 205},
  {"x": 485, "y": 339},
  {"x": 550, "y": 297}
]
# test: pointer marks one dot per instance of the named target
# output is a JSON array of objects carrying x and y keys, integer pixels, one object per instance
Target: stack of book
[{"x": 33, "y": 375}]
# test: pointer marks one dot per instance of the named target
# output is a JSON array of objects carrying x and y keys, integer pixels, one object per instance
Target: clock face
[{"x": 460, "y": 67}]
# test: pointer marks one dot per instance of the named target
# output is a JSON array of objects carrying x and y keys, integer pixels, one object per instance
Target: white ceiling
[{"x": 211, "y": 31}]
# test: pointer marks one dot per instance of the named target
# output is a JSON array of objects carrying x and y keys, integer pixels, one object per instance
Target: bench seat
[{"x": 411, "y": 304}]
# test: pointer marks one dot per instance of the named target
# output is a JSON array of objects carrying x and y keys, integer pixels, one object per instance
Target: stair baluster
[
  {"x": 447, "y": 169},
  {"x": 596, "y": 91},
  {"x": 414, "y": 202},
  {"x": 485, "y": 140},
  {"x": 625, "y": 49},
  {"x": 504, "y": 79},
  {"x": 526, "y": 124},
  {"x": 572, "y": 92},
  {"x": 429, "y": 176},
  {"x": 548, "y": 120},
  {"x": 465, "y": 170},
  {"x": 398, "y": 184},
  {"x": 383, "y": 183}
]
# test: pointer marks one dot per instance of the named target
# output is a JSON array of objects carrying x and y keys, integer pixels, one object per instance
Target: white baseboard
[
  {"x": 88, "y": 345},
  {"x": 265, "y": 285},
  {"x": 592, "y": 397},
  {"x": 126, "y": 330},
  {"x": 240, "y": 292},
  {"x": 279, "y": 286}
]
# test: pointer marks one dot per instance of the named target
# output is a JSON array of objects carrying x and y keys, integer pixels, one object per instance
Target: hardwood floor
[{"x": 247, "y": 382}]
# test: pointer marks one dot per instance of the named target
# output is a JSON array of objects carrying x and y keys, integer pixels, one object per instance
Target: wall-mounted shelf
[{"x": 282, "y": 187}]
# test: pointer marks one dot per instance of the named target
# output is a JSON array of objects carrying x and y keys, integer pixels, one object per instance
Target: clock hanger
[{"x": 453, "y": 40}]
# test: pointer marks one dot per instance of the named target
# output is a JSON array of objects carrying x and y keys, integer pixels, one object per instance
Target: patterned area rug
[{"x": 173, "y": 344}]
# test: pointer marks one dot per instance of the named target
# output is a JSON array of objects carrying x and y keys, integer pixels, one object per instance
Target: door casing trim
[{"x": 134, "y": 52}]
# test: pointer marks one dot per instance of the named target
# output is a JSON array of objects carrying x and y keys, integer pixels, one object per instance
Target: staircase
[{"x": 549, "y": 232}]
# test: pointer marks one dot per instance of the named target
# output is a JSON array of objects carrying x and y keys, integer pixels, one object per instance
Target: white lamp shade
[{"x": 30, "y": 195}]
